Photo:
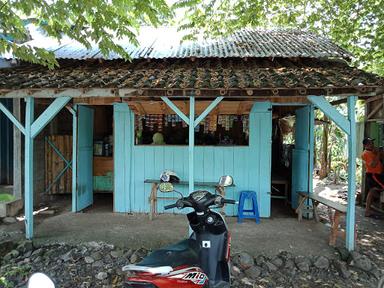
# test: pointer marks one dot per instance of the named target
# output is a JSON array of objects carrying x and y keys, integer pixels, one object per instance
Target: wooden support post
[
  {"x": 153, "y": 200},
  {"x": 31, "y": 130},
  {"x": 331, "y": 112},
  {"x": 211, "y": 106},
  {"x": 350, "y": 226},
  {"x": 334, "y": 228},
  {"x": 176, "y": 109},
  {"x": 315, "y": 212},
  {"x": 192, "y": 124},
  {"x": 12, "y": 118},
  {"x": 28, "y": 189},
  {"x": 349, "y": 127},
  {"x": 311, "y": 147},
  {"x": 17, "y": 153},
  {"x": 48, "y": 114},
  {"x": 73, "y": 111},
  {"x": 191, "y": 142}
]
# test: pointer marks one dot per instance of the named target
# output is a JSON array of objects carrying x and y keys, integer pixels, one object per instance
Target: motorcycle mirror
[
  {"x": 40, "y": 280},
  {"x": 166, "y": 187},
  {"x": 225, "y": 181}
]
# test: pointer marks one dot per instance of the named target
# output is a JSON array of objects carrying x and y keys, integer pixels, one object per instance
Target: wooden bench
[
  {"x": 155, "y": 185},
  {"x": 334, "y": 216}
]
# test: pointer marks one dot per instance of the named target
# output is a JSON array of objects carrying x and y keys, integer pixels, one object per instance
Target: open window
[{"x": 170, "y": 129}]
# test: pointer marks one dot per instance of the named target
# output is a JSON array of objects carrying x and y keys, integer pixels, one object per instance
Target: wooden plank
[
  {"x": 350, "y": 226},
  {"x": 53, "y": 165},
  {"x": 226, "y": 107},
  {"x": 17, "y": 162},
  {"x": 204, "y": 114},
  {"x": 95, "y": 101},
  {"x": 331, "y": 112},
  {"x": 337, "y": 206},
  {"x": 176, "y": 109},
  {"x": 28, "y": 173},
  {"x": 48, "y": 114},
  {"x": 74, "y": 158},
  {"x": 61, "y": 164},
  {"x": 70, "y": 92},
  {"x": 69, "y": 157},
  {"x": 375, "y": 110},
  {"x": 49, "y": 169},
  {"x": 123, "y": 141},
  {"x": 185, "y": 183},
  {"x": 12, "y": 118},
  {"x": 102, "y": 165},
  {"x": 191, "y": 144}
]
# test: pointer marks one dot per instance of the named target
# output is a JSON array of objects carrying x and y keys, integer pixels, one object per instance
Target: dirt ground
[{"x": 281, "y": 232}]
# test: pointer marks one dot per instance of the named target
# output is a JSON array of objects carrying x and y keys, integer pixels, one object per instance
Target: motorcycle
[{"x": 200, "y": 261}]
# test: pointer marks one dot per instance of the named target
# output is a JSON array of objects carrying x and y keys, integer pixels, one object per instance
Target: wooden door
[
  {"x": 302, "y": 155},
  {"x": 84, "y": 191}
]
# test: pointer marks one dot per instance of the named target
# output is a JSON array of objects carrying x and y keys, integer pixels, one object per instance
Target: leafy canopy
[
  {"x": 88, "y": 21},
  {"x": 356, "y": 25}
]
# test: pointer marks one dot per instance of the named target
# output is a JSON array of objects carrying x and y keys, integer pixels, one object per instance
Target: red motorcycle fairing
[{"x": 190, "y": 277}]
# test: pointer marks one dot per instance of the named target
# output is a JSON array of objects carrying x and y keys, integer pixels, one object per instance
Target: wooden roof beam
[{"x": 66, "y": 92}]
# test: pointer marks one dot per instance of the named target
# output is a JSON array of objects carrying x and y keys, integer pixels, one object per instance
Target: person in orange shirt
[{"x": 373, "y": 172}]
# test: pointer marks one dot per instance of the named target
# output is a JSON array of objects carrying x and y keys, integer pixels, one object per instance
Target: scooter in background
[{"x": 200, "y": 261}]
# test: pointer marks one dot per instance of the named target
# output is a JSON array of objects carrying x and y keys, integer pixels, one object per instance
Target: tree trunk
[{"x": 324, "y": 150}]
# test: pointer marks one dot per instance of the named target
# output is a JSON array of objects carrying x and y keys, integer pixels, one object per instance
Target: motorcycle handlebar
[
  {"x": 170, "y": 206},
  {"x": 228, "y": 201}
]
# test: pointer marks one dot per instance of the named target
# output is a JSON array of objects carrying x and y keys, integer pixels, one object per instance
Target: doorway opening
[
  {"x": 103, "y": 159},
  {"x": 283, "y": 142},
  {"x": 291, "y": 140}
]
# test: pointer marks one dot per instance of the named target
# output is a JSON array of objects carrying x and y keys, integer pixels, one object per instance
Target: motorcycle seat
[{"x": 185, "y": 252}]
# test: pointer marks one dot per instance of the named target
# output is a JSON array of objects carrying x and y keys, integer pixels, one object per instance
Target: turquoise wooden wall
[{"x": 250, "y": 165}]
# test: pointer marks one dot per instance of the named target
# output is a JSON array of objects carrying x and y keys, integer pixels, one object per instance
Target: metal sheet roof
[{"x": 165, "y": 42}]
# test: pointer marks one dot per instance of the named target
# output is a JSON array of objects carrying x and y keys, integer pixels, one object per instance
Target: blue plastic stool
[{"x": 254, "y": 212}]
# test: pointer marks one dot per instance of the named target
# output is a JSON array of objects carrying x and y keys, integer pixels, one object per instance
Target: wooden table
[{"x": 155, "y": 185}]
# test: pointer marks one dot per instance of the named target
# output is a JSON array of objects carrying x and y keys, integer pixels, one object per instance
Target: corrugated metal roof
[{"x": 165, "y": 42}]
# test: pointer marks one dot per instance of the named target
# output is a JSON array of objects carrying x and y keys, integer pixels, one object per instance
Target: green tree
[
  {"x": 90, "y": 21},
  {"x": 356, "y": 25}
]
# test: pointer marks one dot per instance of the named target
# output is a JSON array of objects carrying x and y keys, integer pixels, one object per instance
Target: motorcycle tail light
[
  {"x": 135, "y": 284},
  {"x": 228, "y": 254}
]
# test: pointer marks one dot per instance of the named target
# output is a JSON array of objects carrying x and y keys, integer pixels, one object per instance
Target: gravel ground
[
  {"x": 96, "y": 264},
  {"x": 294, "y": 255}
]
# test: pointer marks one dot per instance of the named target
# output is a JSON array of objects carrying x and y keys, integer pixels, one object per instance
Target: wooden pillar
[
  {"x": 28, "y": 166},
  {"x": 311, "y": 147},
  {"x": 17, "y": 186},
  {"x": 350, "y": 227},
  {"x": 191, "y": 141},
  {"x": 31, "y": 130},
  {"x": 192, "y": 124},
  {"x": 74, "y": 157},
  {"x": 349, "y": 127}
]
